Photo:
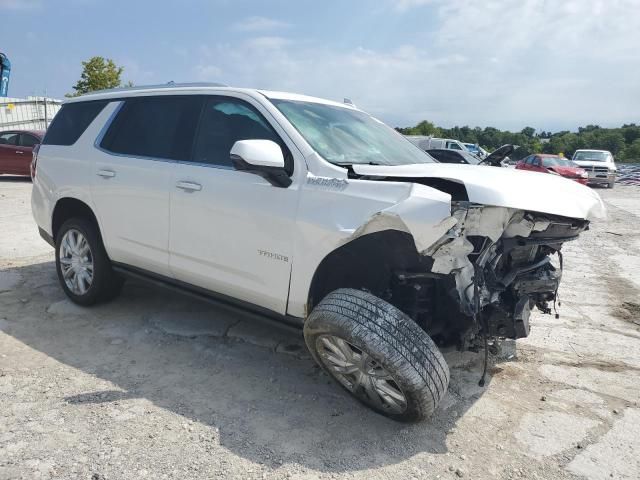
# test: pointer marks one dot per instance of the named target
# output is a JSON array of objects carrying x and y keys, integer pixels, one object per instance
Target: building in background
[{"x": 31, "y": 113}]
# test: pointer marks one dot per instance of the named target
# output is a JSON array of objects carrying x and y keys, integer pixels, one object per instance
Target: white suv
[{"x": 310, "y": 212}]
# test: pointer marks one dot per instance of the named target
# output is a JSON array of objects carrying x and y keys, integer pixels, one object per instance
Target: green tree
[
  {"x": 98, "y": 73},
  {"x": 632, "y": 152},
  {"x": 528, "y": 131}
]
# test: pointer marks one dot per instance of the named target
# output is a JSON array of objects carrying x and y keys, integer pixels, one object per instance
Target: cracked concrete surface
[{"x": 158, "y": 385}]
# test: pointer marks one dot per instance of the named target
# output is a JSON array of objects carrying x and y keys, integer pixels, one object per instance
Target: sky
[{"x": 549, "y": 64}]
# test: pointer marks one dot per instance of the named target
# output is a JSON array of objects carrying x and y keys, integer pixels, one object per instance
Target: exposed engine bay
[{"x": 487, "y": 273}]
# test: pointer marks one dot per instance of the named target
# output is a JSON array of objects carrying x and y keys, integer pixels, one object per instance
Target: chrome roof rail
[{"x": 161, "y": 85}]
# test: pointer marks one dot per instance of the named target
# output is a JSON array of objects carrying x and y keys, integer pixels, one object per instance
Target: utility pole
[{"x": 46, "y": 118}]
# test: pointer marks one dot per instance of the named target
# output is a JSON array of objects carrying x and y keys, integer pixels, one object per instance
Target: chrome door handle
[
  {"x": 106, "y": 173},
  {"x": 20, "y": 152},
  {"x": 189, "y": 186}
]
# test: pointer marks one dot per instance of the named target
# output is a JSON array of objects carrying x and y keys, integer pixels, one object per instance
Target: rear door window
[
  {"x": 71, "y": 122},
  {"x": 155, "y": 127}
]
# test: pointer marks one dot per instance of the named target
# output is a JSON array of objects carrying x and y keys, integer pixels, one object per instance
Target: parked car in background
[
  {"x": 599, "y": 164},
  {"x": 494, "y": 159},
  {"x": 453, "y": 156},
  {"x": 476, "y": 149},
  {"x": 16, "y": 150},
  {"x": 554, "y": 164},
  {"x": 427, "y": 143}
]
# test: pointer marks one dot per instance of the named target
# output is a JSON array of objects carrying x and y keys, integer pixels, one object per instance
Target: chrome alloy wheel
[
  {"x": 361, "y": 374},
  {"x": 76, "y": 262}
]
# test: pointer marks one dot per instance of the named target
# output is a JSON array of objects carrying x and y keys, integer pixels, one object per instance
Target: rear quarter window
[{"x": 71, "y": 122}]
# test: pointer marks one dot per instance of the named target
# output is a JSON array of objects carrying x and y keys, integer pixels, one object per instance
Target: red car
[
  {"x": 554, "y": 164},
  {"x": 16, "y": 148}
]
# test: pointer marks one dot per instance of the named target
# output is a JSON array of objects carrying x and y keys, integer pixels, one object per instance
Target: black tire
[
  {"x": 106, "y": 284},
  {"x": 388, "y": 336}
]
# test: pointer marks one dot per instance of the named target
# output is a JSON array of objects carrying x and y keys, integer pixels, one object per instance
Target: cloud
[
  {"x": 20, "y": 4},
  {"x": 403, "y": 5},
  {"x": 259, "y": 24},
  {"x": 515, "y": 62}
]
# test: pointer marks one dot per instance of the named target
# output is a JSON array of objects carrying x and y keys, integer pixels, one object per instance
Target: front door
[{"x": 231, "y": 231}]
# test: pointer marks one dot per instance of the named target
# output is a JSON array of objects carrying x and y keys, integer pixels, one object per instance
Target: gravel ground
[{"x": 157, "y": 385}]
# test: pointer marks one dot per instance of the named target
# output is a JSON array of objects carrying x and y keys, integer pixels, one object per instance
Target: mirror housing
[{"x": 262, "y": 157}]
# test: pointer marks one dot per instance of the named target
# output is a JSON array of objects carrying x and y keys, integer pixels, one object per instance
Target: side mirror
[{"x": 262, "y": 157}]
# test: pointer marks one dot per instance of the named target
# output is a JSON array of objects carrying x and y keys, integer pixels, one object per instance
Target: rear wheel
[
  {"x": 378, "y": 354},
  {"x": 83, "y": 267}
]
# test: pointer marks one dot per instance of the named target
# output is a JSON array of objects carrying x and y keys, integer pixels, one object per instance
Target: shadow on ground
[
  {"x": 14, "y": 179},
  {"x": 268, "y": 407}
]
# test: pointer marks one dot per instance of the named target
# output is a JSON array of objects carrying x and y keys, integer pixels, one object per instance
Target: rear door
[
  {"x": 10, "y": 155},
  {"x": 133, "y": 173},
  {"x": 26, "y": 143}
]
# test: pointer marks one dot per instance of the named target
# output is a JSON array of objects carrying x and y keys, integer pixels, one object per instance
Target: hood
[
  {"x": 570, "y": 171},
  {"x": 496, "y": 157},
  {"x": 506, "y": 187}
]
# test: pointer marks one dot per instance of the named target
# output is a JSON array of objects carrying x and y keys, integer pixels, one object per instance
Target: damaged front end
[{"x": 496, "y": 264}]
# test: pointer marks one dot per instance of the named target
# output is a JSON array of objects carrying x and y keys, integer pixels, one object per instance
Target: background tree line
[{"x": 623, "y": 142}]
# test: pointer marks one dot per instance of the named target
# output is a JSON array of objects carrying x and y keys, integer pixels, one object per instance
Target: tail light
[{"x": 34, "y": 160}]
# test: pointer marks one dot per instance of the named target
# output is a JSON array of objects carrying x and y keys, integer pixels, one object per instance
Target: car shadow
[
  {"x": 14, "y": 178},
  {"x": 268, "y": 407}
]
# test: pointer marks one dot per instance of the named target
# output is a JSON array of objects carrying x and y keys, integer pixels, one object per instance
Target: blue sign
[{"x": 5, "y": 70}]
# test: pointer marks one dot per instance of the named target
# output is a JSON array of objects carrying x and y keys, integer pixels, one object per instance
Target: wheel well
[
  {"x": 67, "y": 208},
  {"x": 368, "y": 262}
]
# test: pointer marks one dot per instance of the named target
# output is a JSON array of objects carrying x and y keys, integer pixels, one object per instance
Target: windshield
[
  {"x": 591, "y": 156},
  {"x": 557, "y": 162},
  {"x": 345, "y": 137}
]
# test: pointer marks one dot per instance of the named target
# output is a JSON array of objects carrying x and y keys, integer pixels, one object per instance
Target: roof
[{"x": 203, "y": 88}]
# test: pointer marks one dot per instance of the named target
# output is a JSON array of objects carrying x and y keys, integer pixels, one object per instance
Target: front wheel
[{"x": 378, "y": 354}]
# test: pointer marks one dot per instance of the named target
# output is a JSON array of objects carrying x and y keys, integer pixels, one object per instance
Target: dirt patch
[
  {"x": 602, "y": 365},
  {"x": 628, "y": 311}
]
